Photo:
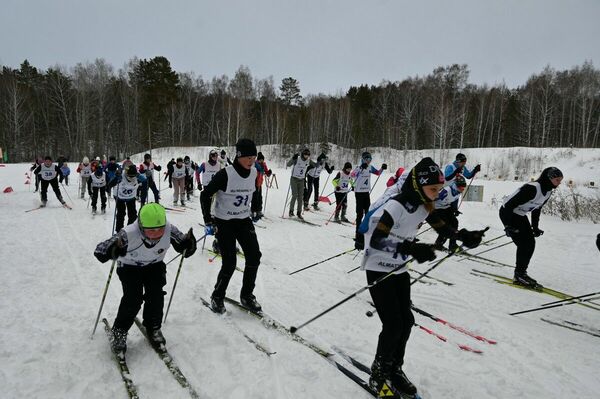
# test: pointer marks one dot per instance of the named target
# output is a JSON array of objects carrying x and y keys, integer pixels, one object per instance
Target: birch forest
[{"x": 94, "y": 109}]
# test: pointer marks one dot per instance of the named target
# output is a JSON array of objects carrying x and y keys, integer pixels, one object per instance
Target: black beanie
[
  {"x": 260, "y": 156},
  {"x": 427, "y": 172},
  {"x": 131, "y": 171},
  {"x": 460, "y": 157},
  {"x": 147, "y": 156},
  {"x": 347, "y": 165},
  {"x": 245, "y": 148}
]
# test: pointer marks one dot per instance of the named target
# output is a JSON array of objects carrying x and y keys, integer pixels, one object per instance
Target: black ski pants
[
  {"x": 524, "y": 239},
  {"x": 391, "y": 298},
  {"x": 142, "y": 284},
  {"x": 54, "y": 184},
  {"x": 121, "y": 206},
  {"x": 228, "y": 232},
  {"x": 447, "y": 215},
  {"x": 363, "y": 202},
  {"x": 341, "y": 202},
  {"x": 311, "y": 182},
  {"x": 257, "y": 200},
  {"x": 102, "y": 191}
]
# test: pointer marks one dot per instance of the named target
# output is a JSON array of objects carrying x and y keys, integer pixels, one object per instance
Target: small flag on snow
[{"x": 8, "y": 190}]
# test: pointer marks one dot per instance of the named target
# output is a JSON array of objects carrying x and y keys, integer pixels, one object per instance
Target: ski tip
[{"x": 293, "y": 329}]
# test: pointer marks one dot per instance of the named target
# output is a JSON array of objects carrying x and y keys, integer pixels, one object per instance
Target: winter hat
[
  {"x": 347, "y": 165},
  {"x": 179, "y": 160},
  {"x": 366, "y": 155},
  {"x": 152, "y": 216},
  {"x": 460, "y": 181},
  {"x": 424, "y": 173},
  {"x": 223, "y": 153},
  {"x": 213, "y": 152},
  {"x": 305, "y": 151},
  {"x": 98, "y": 172},
  {"x": 245, "y": 148},
  {"x": 86, "y": 160},
  {"x": 260, "y": 156},
  {"x": 546, "y": 176},
  {"x": 147, "y": 156},
  {"x": 460, "y": 157},
  {"x": 48, "y": 158},
  {"x": 112, "y": 158},
  {"x": 97, "y": 158},
  {"x": 131, "y": 171},
  {"x": 186, "y": 158},
  {"x": 322, "y": 157}
]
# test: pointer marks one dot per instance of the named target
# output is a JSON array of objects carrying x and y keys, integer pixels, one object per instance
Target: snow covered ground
[{"x": 52, "y": 288}]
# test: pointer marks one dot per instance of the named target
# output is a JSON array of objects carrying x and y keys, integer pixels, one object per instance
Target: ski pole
[
  {"x": 66, "y": 192},
  {"x": 112, "y": 267},
  {"x": 323, "y": 261},
  {"x": 462, "y": 199},
  {"x": 276, "y": 182},
  {"x": 175, "y": 284},
  {"x": 553, "y": 306},
  {"x": 571, "y": 299},
  {"x": 374, "y": 184},
  {"x": 436, "y": 264},
  {"x": 266, "y": 198},
  {"x": 286, "y": 199},
  {"x": 114, "y": 217},
  {"x": 487, "y": 250},
  {"x": 325, "y": 185},
  {"x": 366, "y": 287},
  {"x": 177, "y": 256},
  {"x": 424, "y": 231},
  {"x": 337, "y": 207}
]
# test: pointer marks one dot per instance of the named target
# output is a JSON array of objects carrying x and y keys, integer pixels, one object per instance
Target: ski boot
[
  {"x": 103, "y": 210},
  {"x": 291, "y": 214},
  {"x": 315, "y": 206},
  {"x": 156, "y": 336},
  {"x": 522, "y": 278},
  {"x": 43, "y": 205},
  {"x": 175, "y": 203},
  {"x": 380, "y": 381},
  {"x": 344, "y": 218},
  {"x": 306, "y": 208},
  {"x": 250, "y": 302},
  {"x": 217, "y": 305},
  {"x": 94, "y": 210},
  {"x": 183, "y": 202},
  {"x": 118, "y": 341},
  {"x": 336, "y": 218},
  {"x": 402, "y": 383},
  {"x": 300, "y": 216}
]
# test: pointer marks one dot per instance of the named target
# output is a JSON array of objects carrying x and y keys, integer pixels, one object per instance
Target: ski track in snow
[{"x": 53, "y": 286}]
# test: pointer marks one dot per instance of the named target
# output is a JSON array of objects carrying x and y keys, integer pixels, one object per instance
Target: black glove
[
  {"x": 421, "y": 252},
  {"x": 199, "y": 186},
  {"x": 269, "y": 173},
  {"x": 457, "y": 212},
  {"x": 384, "y": 166},
  {"x": 189, "y": 243},
  {"x": 598, "y": 242},
  {"x": 170, "y": 185},
  {"x": 295, "y": 156},
  {"x": 476, "y": 169},
  {"x": 337, "y": 188},
  {"x": 364, "y": 166},
  {"x": 113, "y": 251},
  {"x": 537, "y": 232},
  {"x": 470, "y": 239}
]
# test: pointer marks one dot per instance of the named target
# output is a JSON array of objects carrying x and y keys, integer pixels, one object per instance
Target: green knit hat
[{"x": 152, "y": 216}]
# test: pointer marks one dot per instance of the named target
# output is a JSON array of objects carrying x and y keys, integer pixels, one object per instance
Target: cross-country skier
[
  {"x": 312, "y": 181},
  {"x": 140, "y": 249},
  {"x": 257, "y": 200},
  {"x": 126, "y": 185},
  {"x": 65, "y": 172},
  {"x": 36, "y": 164},
  {"x": 531, "y": 197},
  {"x": 49, "y": 173},
  {"x": 224, "y": 159},
  {"x": 446, "y": 208},
  {"x": 169, "y": 172},
  {"x": 389, "y": 242},
  {"x": 111, "y": 168},
  {"x": 459, "y": 166},
  {"x": 85, "y": 171},
  {"x": 148, "y": 167},
  {"x": 362, "y": 190},
  {"x": 207, "y": 170},
  {"x": 189, "y": 180},
  {"x": 99, "y": 185},
  {"x": 343, "y": 184},
  {"x": 300, "y": 165},
  {"x": 232, "y": 188},
  {"x": 177, "y": 178}
]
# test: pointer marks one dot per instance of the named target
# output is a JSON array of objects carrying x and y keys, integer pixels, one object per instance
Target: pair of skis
[{"x": 162, "y": 353}]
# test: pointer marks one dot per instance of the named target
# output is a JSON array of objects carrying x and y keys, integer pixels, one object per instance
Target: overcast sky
[{"x": 327, "y": 45}]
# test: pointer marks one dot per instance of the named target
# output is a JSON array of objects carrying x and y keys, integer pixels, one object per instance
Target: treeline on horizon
[{"x": 92, "y": 109}]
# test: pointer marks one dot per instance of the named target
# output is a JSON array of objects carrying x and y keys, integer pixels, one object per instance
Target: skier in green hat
[{"x": 140, "y": 249}]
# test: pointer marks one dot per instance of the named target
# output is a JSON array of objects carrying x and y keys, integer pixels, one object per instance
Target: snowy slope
[{"x": 53, "y": 285}]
